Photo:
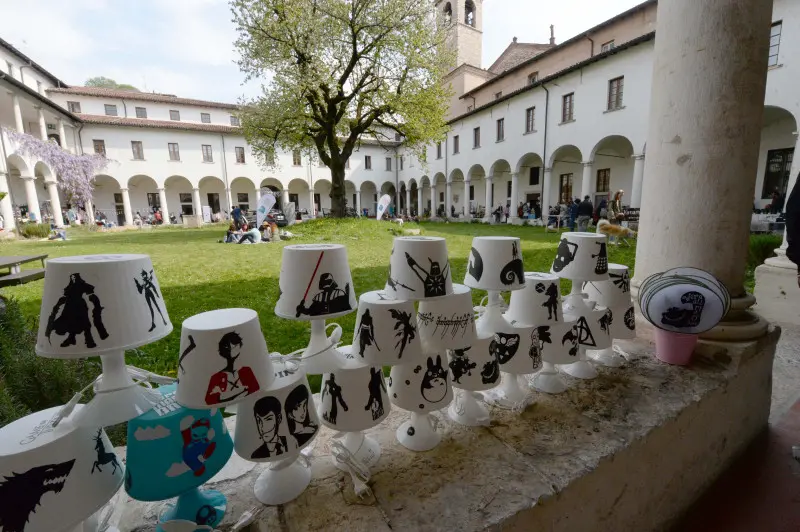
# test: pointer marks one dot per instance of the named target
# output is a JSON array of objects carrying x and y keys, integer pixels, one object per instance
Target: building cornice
[
  {"x": 43, "y": 99},
  {"x": 11, "y": 48},
  {"x": 100, "y": 92},
  {"x": 122, "y": 121}
]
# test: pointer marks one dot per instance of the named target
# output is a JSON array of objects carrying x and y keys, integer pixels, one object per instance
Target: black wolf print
[
  {"x": 434, "y": 280},
  {"x": 504, "y": 346},
  {"x": 461, "y": 365},
  {"x": 70, "y": 315},
  {"x": 366, "y": 333},
  {"x": 297, "y": 417},
  {"x": 552, "y": 300},
  {"x": 475, "y": 265},
  {"x": 602, "y": 259},
  {"x": 605, "y": 321},
  {"x": 329, "y": 300},
  {"x": 335, "y": 392},
  {"x": 376, "y": 385},
  {"x": 585, "y": 336},
  {"x": 630, "y": 319},
  {"x": 21, "y": 493},
  {"x": 103, "y": 457},
  {"x": 685, "y": 317},
  {"x": 565, "y": 254},
  {"x": 621, "y": 281},
  {"x": 151, "y": 295},
  {"x": 404, "y": 329},
  {"x": 535, "y": 351},
  {"x": 513, "y": 269},
  {"x": 571, "y": 336},
  {"x": 434, "y": 382}
]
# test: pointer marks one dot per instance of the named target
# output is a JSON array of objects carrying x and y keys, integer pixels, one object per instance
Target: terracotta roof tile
[
  {"x": 143, "y": 96},
  {"x": 166, "y": 124}
]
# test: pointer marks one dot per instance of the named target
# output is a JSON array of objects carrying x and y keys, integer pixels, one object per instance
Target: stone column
[
  {"x": 17, "y": 113},
  {"x": 638, "y": 178},
  {"x": 5, "y": 204},
  {"x": 229, "y": 198},
  {"x": 548, "y": 172},
  {"x": 313, "y": 207},
  {"x": 42, "y": 124},
  {"x": 55, "y": 203},
  {"x": 162, "y": 198},
  {"x": 586, "y": 184},
  {"x": 89, "y": 208},
  {"x": 434, "y": 201},
  {"x": 408, "y": 200},
  {"x": 285, "y": 198},
  {"x": 32, "y": 197},
  {"x": 487, "y": 215},
  {"x": 703, "y": 152},
  {"x": 62, "y": 135},
  {"x": 258, "y": 196},
  {"x": 126, "y": 206},
  {"x": 513, "y": 213},
  {"x": 419, "y": 200},
  {"x": 197, "y": 207},
  {"x": 448, "y": 199},
  {"x": 467, "y": 183},
  {"x": 358, "y": 202}
]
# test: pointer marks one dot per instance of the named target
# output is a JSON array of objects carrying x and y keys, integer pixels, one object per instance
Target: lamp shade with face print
[
  {"x": 421, "y": 388},
  {"x": 223, "y": 358},
  {"x": 581, "y": 256},
  {"x": 474, "y": 368},
  {"x": 52, "y": 478},
  {"x": 353, "y": 398},
  {"x": 315, "y": 283},
  {"x": 386, "y": 330},
  {"x": 98, "y": 304},
  {"x": 419, "y": 268},
  {"x": 495, "y": 263},
  {"x": 447, "y": 322},
  {"x": 538, "y": 303}
]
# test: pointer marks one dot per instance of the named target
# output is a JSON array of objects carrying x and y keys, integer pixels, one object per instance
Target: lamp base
[
  {"x": 418, "y": 433},
  {"x": 118, "y": 406},
  {"x": 364, "y": 449},
  {"x": 282, "y": 483},
  {"x": 582, "y": 369},
  {"x": 549, "y": 382},
  {"x": 607, "y": 357},
  {"x": 492, "y": 320},
  {"x": 321, "y": 355},
  {"x": 466, "y": 410},
  {"x": 203, "y": 507}
]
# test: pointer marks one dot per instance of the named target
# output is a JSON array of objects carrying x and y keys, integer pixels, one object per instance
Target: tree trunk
[{"x": 338, "y": 195}]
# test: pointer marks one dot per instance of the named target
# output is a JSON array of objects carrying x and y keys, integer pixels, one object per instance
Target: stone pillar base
[{"x": 777, "y": 292}]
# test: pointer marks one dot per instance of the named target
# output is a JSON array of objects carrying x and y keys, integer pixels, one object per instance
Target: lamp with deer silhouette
[
  {"x": 615, "y": 295},
  {"x": 102, "y": 305},
  {"x": 316, "y": 284}
]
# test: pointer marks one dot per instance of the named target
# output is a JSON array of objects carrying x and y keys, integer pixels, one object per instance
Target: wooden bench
[{"x": 22, "y": 277}]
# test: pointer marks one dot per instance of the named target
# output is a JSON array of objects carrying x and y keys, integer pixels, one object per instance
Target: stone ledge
[{"x": 630, "y": 450}]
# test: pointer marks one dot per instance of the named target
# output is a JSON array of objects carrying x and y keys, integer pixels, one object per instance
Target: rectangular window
[
  {"x": 529, "y": 114},
  {"x": 99, "y": 147},
  {"x": 38, "y": 86},
  {"x": 118, "y": 198},
  {"x": 533, "y": 176},
  {"x": 208, "y": 157},
  {"x": 174, "y": 115},
  {"x": 174, "y": 152},
  {"x": 565, "y": 188},
  {"x": 777, "y": 172},
  {"x": 368, "y": 162},
  {"x": 239, "y": 154},
  {"x": 141, "y": 112},
  {"x": 74, "y": 107},
  {"x": 508, "y": 189},
  {"x": 615, "y": 87},
  {"x": 138, "y": 151},
  {"x": 402, "y": 158},
  {"x": 388, "y": 164},
  {"x": 501, "y": 129},
  {"x": 498, "y": 95},
  {"x": 205, "y": 118},
  {"x": 567, "y": 107},
  {"x": 243, "y": 200},
  {"x": 533, "y": 78},
  {"x": 297, "y": 160},
  {"x": 472, "y": 192},
  {"x": 235, "y": 121},
  {"x": 456, "y": 147},
  {"x": 476, "y": 137},
  {"x": 185, "y": 199},
  {"x": 153, "y": 201},
  {"x": 438, "y": 150},
  {"x": 603, "y": 182},
  {"x": 774, "y": 42},
  {"x": 606, "y": 46},
  {"x": 111, "y": 110}
]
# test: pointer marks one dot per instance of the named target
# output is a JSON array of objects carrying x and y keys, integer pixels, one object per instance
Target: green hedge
[{"x": 34, "y": 230}]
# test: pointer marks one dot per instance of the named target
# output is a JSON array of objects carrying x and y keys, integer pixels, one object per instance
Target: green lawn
[{"x": 197, "y": 273}]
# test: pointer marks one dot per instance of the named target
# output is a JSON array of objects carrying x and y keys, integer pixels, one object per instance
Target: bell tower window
[
  {"x": 448, "y": 13},
  {"x": 469, "y": 13}
]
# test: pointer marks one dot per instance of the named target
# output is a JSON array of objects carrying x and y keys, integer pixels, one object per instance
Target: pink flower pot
[{"x": 674, "y": 348}]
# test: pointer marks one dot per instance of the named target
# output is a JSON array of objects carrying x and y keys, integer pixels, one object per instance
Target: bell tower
[{"x": 464, "y": 20}]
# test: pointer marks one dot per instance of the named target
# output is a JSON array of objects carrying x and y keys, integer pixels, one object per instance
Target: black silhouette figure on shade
[
  {"x": 571, "y": 336},
  {"x": 366, "y": 333},
  {"x": 148, "y": 287},
  {"x": 630, "y": 319},
  {"x": 565, "y": 254},
  {"x": 329, "y": 300},
  {"x": 685, "y": 317},
  {"x": 189, "y": 349},
  {"x": 297, "y": 416},
  {"x": 404, "y": 329},
  {"x": 376, "y": 385},
  {"x": 70, "y": 315},
  {"x": 475, "y": 265},
  {"x": 585, "y": 336},
  {"x": 21, "y": 493},
  {"x": 621, "y": 281},
  {"x": 605, "y": 321},
  {"x": 394, "y": 283},
  {"x": 267, "y": 412},
  {"x": 602, "y": 259},
  {"x": 461, "y": 365},
  {"x": 491, "y": 372},
  {"x": 552, "y": 302},
  {"x": 513, "y": 269},
  {"x": 230, "y": 383},
  {"x": 504, "y": 346},
  {"x": 434, "y": 381},
  {"x": 535, "y": 351},
  {"x": 544, "y": 335},
  {"x": 434, "y": 281},
  {"x": 335, "y": 391},
  {"x": 103, "y": 457}
]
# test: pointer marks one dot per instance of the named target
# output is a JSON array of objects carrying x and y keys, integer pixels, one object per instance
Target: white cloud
[{"x": 151, "y": 433}]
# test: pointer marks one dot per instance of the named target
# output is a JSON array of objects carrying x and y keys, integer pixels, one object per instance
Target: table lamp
[
  {"x": 54, "y": 478},
  {"x": 419, "y": 268},
  {"x": 473, "y": 369},
  {"x": 273, "y": 426},
  {"x": 315, "y": 285},
  {"x": 101, "y": 305},
  {"x": 614, "y": 294},
  {"x": 172, "y": 451},
  {"x": 386, "y": 330}
]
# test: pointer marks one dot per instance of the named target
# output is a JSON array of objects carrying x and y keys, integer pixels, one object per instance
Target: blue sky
[{"x": 185, "y": 47}]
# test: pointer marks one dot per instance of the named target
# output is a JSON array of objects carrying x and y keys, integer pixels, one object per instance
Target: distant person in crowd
[
  {"x": 266, "y": 231},
  {"x": 602, "y": 210},
  {"x": 520, "y": 210},
  {"x": 775, "y": 206},
  {"x": 537, "y": 209},
  {"x": 32, "y": 217},
  {"x": 250, "y": 235},
  {"x": 573, "y": 213},
  {"x": 526, "y": 210},
  {"x": 236, "y": 214},
  {"x": 230, "y": 235},
  {"x": 505, "y": 213},
  {"x": 452, "y": 211},
  {"x": 793, "y": 227},
  {"x": 615, "y": 212},
  {"x": 137, "y": 219},
  {"x": 585, "y": 209}
]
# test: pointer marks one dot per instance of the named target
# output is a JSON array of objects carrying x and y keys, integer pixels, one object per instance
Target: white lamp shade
[
  {"x": 315, "y": 282},
  {"x": 558, "y": 342},
  {"x": 386, "y": 330},
  {"x": 623, "y": 326},
  {"x": 52, "y": 478},
  {"x": 447, "y": 322},
  {"x": 353, "y": 398},
  {"x": 495, "y": 263},
  {"x": 593, "y": 325},
  {"x": 538, "y": 303},
  {"x": 582, "y": 257},
  {"x": 517, "y": 348},
  {"x": 278, "y": 422},
  {"x": 223, "y": 358},
  {"x": 615, "y": 292},
  {"x": 421, "y": 388},
  {"x": 95, "y": 304},
  {"x": 474, "y": 368},
  {"x": 419, "y": 268}
]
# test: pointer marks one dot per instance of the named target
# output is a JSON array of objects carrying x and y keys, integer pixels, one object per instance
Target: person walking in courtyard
[
  {"x": 573, "y": 214},
  {"x": 615, "y": 211},
  {"x": 585, "y": 209}
]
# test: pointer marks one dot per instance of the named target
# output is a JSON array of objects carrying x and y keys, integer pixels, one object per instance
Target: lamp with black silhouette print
[
  {"x": 54, "y": 478},
  {"x": 386, "y": 331},
  {"x": 273, "y": 426},
  {"x": 614, "y": 294},
  {"x": 102, "y": 305},
  {"x": 582, "y": 257},
  {"x": 172, "y": 451},
  {"x": 419, "y": 269},
  {"x": 316, "y": 285}
]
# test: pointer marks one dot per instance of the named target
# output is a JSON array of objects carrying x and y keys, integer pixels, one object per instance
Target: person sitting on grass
[
  {"x": 230, "y": 235},
  {"x": 252, "y": 236}
]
